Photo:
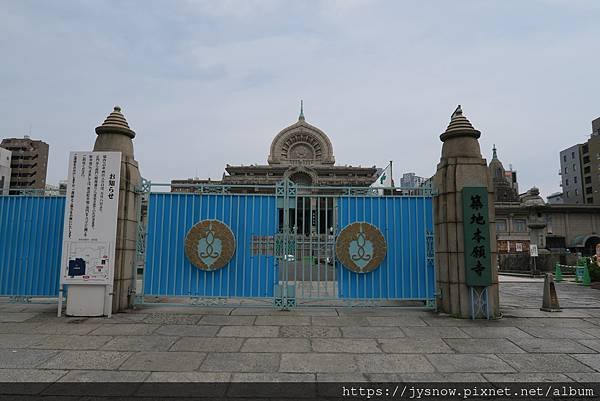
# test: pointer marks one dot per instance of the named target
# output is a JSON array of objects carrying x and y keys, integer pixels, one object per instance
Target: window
[
  {"x": 576, "y": 192},
  {"x": 586, "y": 170},
  {"x": 564, "y": 158},
  {"x": 572, "y": 155},
  {"x": 566, "y": 170},
  {"x": 567, "y": 182},
  {"x": 520, "y": 225},
  {"x": 501, "y": 225},
  {"x": 586, "y": 159},
  {"x": 575, "y": 179},
  {"x": 574, "y": 167},
  {"x": 567, "y": 194},
  {"x": 588, "y": 190},
  {"x": 588, "y": 179},
  {"x": 590, "y": 200}
]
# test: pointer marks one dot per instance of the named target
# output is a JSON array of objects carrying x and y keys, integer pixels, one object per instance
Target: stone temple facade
[{"x": 301, "y": 152}]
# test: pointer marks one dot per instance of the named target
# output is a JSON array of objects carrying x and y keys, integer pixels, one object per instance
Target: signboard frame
[{"x": 476, "y": 229}]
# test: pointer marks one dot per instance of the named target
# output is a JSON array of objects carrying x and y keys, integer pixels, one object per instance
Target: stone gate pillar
[
  {"x": 115, "y": 135},
  {"x": 461, "y": 165}
]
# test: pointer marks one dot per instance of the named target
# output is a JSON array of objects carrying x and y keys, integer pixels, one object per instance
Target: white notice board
[
  {"x": 533, "y": 250},
  {"x": 90, "y": 222}
]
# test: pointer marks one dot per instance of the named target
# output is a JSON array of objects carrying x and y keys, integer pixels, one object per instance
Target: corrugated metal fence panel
[
  {"x": 31, "y": 230},
  {"x": 168, "y": 271},
  {"x": 404, "y": 273}
]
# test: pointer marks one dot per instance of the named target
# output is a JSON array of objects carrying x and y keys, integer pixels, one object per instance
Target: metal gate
[{"x": 284, "y": 245}]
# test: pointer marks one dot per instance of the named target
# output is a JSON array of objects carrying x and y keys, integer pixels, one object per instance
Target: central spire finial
[
  {"x": 494, "y": 156},
  {"x": 301, "y": 117}
]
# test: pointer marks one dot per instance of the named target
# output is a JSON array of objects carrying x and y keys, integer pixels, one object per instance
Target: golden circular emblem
[
  {"x": 209, "y": 245},
  {"x": 360, "y": 247}
]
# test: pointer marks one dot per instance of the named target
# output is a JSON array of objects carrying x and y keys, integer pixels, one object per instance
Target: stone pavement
[{"x": 178, "y": 343}]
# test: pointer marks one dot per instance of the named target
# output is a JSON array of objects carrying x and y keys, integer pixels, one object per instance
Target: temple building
[
  {"x": 506, "y": 188},
  {"x": 301, "y": 152}
]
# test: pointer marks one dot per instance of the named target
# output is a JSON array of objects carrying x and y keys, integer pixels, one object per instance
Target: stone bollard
[{"x": 550, "y": 299}]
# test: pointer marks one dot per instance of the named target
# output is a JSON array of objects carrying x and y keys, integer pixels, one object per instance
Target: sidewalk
[{"x": 166, "y": 343}]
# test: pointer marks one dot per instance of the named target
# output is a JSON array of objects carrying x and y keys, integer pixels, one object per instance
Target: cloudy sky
[{"x": 206, "y": 83}]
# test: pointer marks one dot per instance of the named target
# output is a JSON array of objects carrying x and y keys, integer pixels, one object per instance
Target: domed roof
[
  {"x": 459, "y": 126},
  {"x": 115, "y": 123}
]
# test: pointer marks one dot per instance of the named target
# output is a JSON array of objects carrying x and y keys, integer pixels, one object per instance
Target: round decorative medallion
[
  {"x": 360, "y": 247},
  {"x": 209, "y": 245}
]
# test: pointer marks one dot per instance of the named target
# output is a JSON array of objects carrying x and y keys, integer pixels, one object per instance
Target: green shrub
[{"x": 594, "y": 269}]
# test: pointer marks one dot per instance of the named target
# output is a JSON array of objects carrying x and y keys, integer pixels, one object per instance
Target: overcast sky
[{"x": 206, "y": 83}]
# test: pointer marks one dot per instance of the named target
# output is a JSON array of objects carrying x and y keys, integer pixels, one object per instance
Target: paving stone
[
  {"x": 310, "y": 332},
  {"x": 241, "y": 362},
  {"x": 99, "y": 360},
  {"x": 552, "y": 345},
  {"x": 526, "y": 377},
  {"x": 184, "y": 309},
  {"x": 434, "y": 332},
  {"x": 339, "y": 321},
  {"x": 16, "y": 317},
  {"x": 558, "y": 363},
  {"x": 165, "y": 318},
  {"x": 70, "y": 342},
  {"x": 482, "y": 345},
  {"x": 336, "y": 345},
  {"x": 30, "y": 375},
  {"x": 437, "y": 377},
  {"x": 164, "y": 361},
  {"x": 592, "y": 344},
  {"x": 448, "y": 321},
  {"x": 384, "y": 377},
  {"x": 342, "y": 378},
  {"x": 595, "y": 332},
  {"x": 273, "y": 377},
  {"x": 382, "y": 311},
  {"x": 481, "y": 363},
  {"x": 318, "y": 363},
  {"x": 553, "y": 322},
  {"x": 140, "y": 343},
  {"x": 125, "y": 329},
  {"x": 187, "y": 330},
  {"x": 19, "y": 328},
  {"x": 188, "y": 377},
  {"x": 282, "y": 321},
  {"x": 592, "y": 360},
  {"x": 585, "y": 377},
  {"x": 208, "y": 344},
  {"x": 536, "y": 313},
  {"x": 400, "y": 321},
  {"x": 255, "y": 312},
  {"x": 397, "y": 363},
  {"x": 65, "y": 328},
  {"x": 557, "y": 332},
  {"x": 372, "y": 332},
  {"x": 276, "y": 345},
  {"x": 594, "y": 320},
  {"x": 24, "y": 358},
  {"x": 19, "y": 340},
  {"x": 249, "y": 331},
  {"x": 311, "y": 311},
  {"x": 496, "y": 332},
  {"x": 415, "y": 345},
  {"x": 104, "y": 376},
  {"x": 218, "y": 320}
]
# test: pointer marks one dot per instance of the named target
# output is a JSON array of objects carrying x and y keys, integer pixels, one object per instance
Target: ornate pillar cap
[
  {"x": 459, "y": 126},
  {"x": 115, "y": 123}
]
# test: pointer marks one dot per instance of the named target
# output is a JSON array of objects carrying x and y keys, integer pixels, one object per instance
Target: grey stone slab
[
  {"x": 483, "y": 346},
  {"x": 342, "y": 378},
  {"x": 30, "y": 375},
  {"x": 217, "y": 320},
  {"x": 496, "y": 332},
  {"x": 125, "y": 329},
  {"x": 241, "y": 362},
  {"x": 24, "y": 358},
  {"x": 309, "y": 332},
  {"x": 203, "y": 344},
  {"x": 415, "y": 346},
  {"x": 339, "y": 321},
  {"x": 335, "y": 345},
  {"x": 164, "y": 361},
  {"x": 183, "y": 309},
  {"x": 557, "y": 332},
  {"x": 372, "y": 332},
  {"x": 400, "y": 321},
  {"x": 311, "y": 311},
  {"x": 255, "y": 312},
  {"x": 595, "y": 332},
  {"x": 276, "y": 345},
  {"x": 479, "y": 363},
  {"x": 318, "y": 363},
  {"x": 187, "y": 330},
  {"x": 140, "y": 343},
  {"x": 448, "y": 321},
  {"x": 437, "y": 377},
  {"x": 273, "y": 377},
  {"x": 558, "y": 363},
  {"x": 553, "y": 322},
  {"x": 593, "y": 320},
  {"x": 97, "y": 360},
  {"x": 592, "y": 360},
  {"x": 189, "y": 377},
  {"x": 536, "y": 313},
  {"x": 585, "y": 377},
  {"x": 19, "y": 340},
  {"x": 434, "y": 332},
  {"x": 66, "y": 328},
  {"x": 397, "y": 363},
  {"x": 167, "y": 318},
  {"x": 19, "y": 328},
  {"x": 70, "y": 342},
  {"x": 526, "y": 377},
  {"x": 552, "y": 345},
  {"x": 282, "y": 321},
  {"x": 384, "y": 377},
  {"x": 592, "y": 344},
  {"x": 104, "y": 376},
  {"x": 249, "y": 331},
  {"x": 381, "y": 311},
  {"x": 16, "y": 316}
]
